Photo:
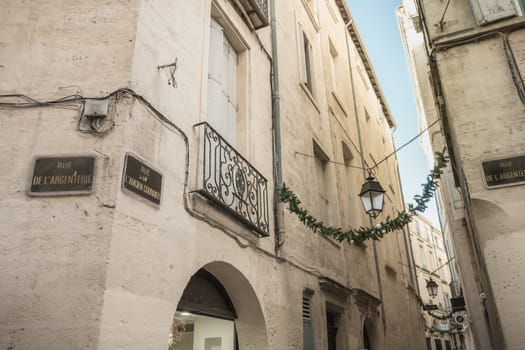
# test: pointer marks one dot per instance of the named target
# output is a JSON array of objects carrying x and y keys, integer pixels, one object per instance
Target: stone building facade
[
  {"x": 433, "y": 263},
  {"x": 466, "y": 60},
  {"x": 142, "y": 142}
]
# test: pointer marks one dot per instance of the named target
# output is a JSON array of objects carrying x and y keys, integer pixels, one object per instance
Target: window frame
[
  {"x": 321, "y": 167},
  {"x": 307, "y": 62}
]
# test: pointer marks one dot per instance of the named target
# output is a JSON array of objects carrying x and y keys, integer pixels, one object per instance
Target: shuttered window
[
  {"x": 222, "y": 84},
  {"x": 308, "y": 331},
  {"x": 487, "y": 11}
]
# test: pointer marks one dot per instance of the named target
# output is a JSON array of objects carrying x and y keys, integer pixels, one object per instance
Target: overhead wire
[{"x": 406, "y": 144}]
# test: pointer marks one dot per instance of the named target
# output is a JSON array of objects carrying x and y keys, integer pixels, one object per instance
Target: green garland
[{"x": 361, "y": 234}]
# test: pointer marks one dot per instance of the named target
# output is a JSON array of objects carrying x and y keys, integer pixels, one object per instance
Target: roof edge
[{"x": 361, "y": 49}]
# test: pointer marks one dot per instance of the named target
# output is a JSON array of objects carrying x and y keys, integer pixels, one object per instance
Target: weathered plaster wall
[
  {"x": 106, "y": 271},
  {"x": 485, "y": 117},
  {"x": 488, "y": 122},
  {"x": 54, "y": 250},
  {"x": 329, "y": 118},
  {"x": 48, "y": 46}
]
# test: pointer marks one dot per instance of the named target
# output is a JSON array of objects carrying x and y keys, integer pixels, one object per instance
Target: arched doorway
[
  {"x": 218, "y": 310},
  {"x": 205, "y": 316}
]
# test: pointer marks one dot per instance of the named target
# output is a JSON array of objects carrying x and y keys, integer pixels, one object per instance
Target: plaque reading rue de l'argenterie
[
  {"x": 62, "y": 176},
  {"x": 504, "y": 172},
  {"x": 142, "y": 180}
]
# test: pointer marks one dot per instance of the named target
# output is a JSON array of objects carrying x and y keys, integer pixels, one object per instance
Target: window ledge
[
  {"x": 222, "y": 219},
  {"x": 310, "y": 96},
  {"x": 332, "y": 241},
  {"x": 339, "y": 102}
]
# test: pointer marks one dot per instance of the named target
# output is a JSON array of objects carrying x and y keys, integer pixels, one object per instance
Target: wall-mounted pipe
[{"x": 276, "y": 121}]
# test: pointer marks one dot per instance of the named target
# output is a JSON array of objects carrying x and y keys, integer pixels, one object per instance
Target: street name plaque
[
  {"x": 142, "y": 180},
  {"x": 504, "y": 172},
  {"x": 62, "y": 176}
]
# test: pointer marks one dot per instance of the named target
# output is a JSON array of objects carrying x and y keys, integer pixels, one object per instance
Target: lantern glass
[
  {"x": 432, "y": 288},
  {"x": 372, "y": 196}
]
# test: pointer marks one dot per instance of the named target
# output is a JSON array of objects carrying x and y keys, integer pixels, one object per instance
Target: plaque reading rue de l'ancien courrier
[
  {"x": 142, "y": 180},
  {"x": 62, "y": 176},
  {"x": 504, "y": 172}
]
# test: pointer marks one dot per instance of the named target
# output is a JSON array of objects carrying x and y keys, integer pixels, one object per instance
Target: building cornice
[{"x": 358, "y": 42}]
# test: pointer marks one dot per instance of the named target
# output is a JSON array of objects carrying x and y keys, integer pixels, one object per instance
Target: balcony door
[{"x": 222, "y": 84}]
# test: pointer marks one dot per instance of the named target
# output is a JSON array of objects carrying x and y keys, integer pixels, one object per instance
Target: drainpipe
[
  {"x": 276, "y": 121},
  {"x": 363, "y": 166}
]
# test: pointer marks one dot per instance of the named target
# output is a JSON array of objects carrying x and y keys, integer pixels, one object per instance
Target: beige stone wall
[
  {"x": 47, "y": 46},
  {"x": 485, "y": 122},
  {"x": 54, "y": 250},
  {"x": 329, "y": 119},
  {"x": 497, "y": 111},
  {"x": 107, "y": 270}
]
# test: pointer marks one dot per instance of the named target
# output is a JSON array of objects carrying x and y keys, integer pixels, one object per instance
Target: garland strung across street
[
  {"x": 361, "y": 234},
  {"x": 446, "y": 316}
]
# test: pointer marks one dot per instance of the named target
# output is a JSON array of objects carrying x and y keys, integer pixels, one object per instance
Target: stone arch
[
  {"x": 491, "y": 220},
  {"x": 239, "y": 302}
]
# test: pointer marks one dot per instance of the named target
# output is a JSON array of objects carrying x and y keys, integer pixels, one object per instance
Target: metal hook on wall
[{"x": 172, "y": 69}]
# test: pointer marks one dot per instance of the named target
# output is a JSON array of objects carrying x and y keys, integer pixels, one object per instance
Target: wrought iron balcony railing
[
  {"x": 256, "y": 10},
  {"x": 232, "y": 182}
]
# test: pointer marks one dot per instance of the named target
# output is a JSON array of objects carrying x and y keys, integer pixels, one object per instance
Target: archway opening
[
  {"x": 219, "y": 302},
  {"x": 205, "y": 316}
]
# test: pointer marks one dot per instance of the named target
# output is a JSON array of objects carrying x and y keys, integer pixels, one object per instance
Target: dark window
[
  {"x": 366, "y": 339},
  {"x": 448, "y": 345},
  {"x": 331, "y": 330},
  {"x": 429, "y": 344},
  {"x": 438, "y": 344}
]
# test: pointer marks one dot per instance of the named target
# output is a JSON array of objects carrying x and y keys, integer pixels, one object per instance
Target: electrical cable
[
  {"x": 67, "y": 100},
  {"x": 330, "y": 161},
  {"x": 406, "y": 143}
]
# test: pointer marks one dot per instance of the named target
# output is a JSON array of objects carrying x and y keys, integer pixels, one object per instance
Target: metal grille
[{"x": 234, "y": 183}]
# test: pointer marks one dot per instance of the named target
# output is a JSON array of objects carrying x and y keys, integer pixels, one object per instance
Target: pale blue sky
[{"x": 377, "y": 24}]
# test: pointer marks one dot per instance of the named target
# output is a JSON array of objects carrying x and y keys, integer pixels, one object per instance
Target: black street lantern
[
  {"x": 372, "y": 196},
  {"x": 432, "y": 288}
]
